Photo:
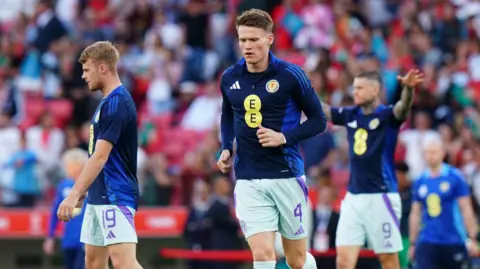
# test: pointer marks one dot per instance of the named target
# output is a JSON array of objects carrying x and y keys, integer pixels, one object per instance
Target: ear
[
  {"x": 271, "y": 38},
  {"x": 102, "y": 68}
]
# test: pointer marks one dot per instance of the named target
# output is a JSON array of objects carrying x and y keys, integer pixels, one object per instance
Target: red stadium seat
[{"x": 61, "y": 110}]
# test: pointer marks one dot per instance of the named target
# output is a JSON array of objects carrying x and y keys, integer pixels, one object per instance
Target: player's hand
[
  {"x": 472, "y": 248},
  {"x": 49, "y": 246},
  {"x": 224, "y": 163},
  {"x": 65, "y": 210},
  {"x": 270, "y": 138},
  {"x": 411, "y": 252},
  {"x": 412, "y": 78}
]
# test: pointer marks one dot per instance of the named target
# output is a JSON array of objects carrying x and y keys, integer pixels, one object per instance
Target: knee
[
  {"x": 263, "y": 253},
  {"x": 124, "y": 262},
  {"x": 297, "y": 262},
  {"x": 389, "y": 261},
  {"x": 345, "y": 262},
  {"x": 90, "y": 259}
]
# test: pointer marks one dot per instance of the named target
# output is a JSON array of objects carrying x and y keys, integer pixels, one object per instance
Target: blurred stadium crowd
[{"x": 173, "y": 52}]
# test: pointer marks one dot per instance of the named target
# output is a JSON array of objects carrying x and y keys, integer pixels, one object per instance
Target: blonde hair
[
  {"x": 101, "y": 51},
  {"x": 75, "y": 156}
]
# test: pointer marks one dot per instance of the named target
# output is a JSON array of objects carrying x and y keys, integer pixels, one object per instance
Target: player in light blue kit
[
  {"x": 110, "y": 174},
  {"x": 73, "y": 250},
  {"x": 442, "y": 206},
  {"x": 371, "y": 209}
]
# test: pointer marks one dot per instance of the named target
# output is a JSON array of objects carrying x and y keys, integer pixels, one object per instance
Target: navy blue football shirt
[
  {"x": 275, "y": 99},
  {"x": 372, "y": 141},
  {"x": 442, "y": 222},
  {"x": 115, "y": 121}
]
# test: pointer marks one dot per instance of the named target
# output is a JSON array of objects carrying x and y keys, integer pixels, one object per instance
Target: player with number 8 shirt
[
  {"x": 263, "y": 100},
  {"x": 371, "y": 209},
  {"x": 441, "y": 202}
]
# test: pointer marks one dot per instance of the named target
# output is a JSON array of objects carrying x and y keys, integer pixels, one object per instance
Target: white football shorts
[
  {"x": 372, "y": 218},
  {"x": 105, "y": 225}
]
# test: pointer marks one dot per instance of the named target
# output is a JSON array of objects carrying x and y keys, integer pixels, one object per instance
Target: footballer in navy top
[
  {"x": 442, "y": 221},
  {"x": 373, "y": 139},
  {"x": 115, "y": 121},
  {"x": 274, "y": 99}
]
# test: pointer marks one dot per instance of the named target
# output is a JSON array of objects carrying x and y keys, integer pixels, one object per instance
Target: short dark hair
[
  {"x": 256, "y": 18},
  {"x": 371, "y": 75}
]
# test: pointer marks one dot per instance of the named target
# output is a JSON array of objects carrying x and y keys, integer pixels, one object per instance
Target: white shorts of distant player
[
  {"x": 373, "y": 219},
  {"x": 270, "y": 205},
  {"x": 105, "y": 225}
]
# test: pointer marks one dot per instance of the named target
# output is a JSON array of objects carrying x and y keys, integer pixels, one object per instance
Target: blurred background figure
[
  {"x": 224, "y": 227},
  {"x": 73, "y": 250},
  {"x": 198, "y": 228}
]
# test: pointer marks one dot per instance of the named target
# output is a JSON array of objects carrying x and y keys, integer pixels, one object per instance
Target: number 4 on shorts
[{"x": 297, "y": 212}]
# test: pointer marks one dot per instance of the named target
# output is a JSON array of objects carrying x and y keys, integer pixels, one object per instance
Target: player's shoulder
[
  {"x": 234, "y": 69},
  {"x": 454, "y": 172},
  {"x": 118, "y": 103},
  {"x": 290, "y": 70}
]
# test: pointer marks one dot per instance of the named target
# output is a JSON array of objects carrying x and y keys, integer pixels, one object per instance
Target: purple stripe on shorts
[
  {"x": 388, "y": 203},
  {"x": 302, "y": 184},
  {"x": 128, "y": 214}
]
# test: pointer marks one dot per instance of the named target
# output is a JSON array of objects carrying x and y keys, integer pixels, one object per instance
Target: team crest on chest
[
  {"x": 444, "y": 186},
  {"x": 272, "y": 86},
  {"x": 97, "y": 116},
  {"x": 422, "y": 191},
  {"x": 374, "y": 124}
]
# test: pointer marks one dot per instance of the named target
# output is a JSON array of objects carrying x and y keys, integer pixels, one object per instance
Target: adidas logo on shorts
[{"x": 110, "y": 235}]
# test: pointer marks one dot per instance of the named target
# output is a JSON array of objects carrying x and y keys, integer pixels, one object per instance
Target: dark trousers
[
  {"x": 74, "y": 258},
  {"x": 436, "y": 256}
]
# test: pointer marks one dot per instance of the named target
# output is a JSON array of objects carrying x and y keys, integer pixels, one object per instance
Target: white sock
[
  {"x": 264, "y": 265},
  {"x": 310, "y": 262}
]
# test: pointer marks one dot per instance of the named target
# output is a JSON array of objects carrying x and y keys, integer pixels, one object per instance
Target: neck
[
  {"x": 111, "y": 85},
  {"x": 436, "y": 169},
  {"x": 258, "y": 67},
  {"x": 368, "y": 108}
]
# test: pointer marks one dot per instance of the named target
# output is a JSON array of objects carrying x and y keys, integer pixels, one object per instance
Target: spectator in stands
[
  {"x": 25, "y": 180},
  {"x": 48, "y": 27},
  {"x": 325, "y": 221},
  {"x": 11, "y": 99},
  {"x": 10, "y": 137},
  {"x": 47, "y": 142},
  {"x": 203, "y": 113},
  {"x": 412, "y": 138},
  {"x": 197, "y": 231},
  {"x": 224, "y": 227},
  {"x": 201, "y": 63},
  {"x": 158, "y": 186}
]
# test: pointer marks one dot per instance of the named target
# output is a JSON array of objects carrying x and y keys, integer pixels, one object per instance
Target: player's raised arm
[
  {"x": 308, "y": 102},
  {"x": 409, "y": 81}
]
